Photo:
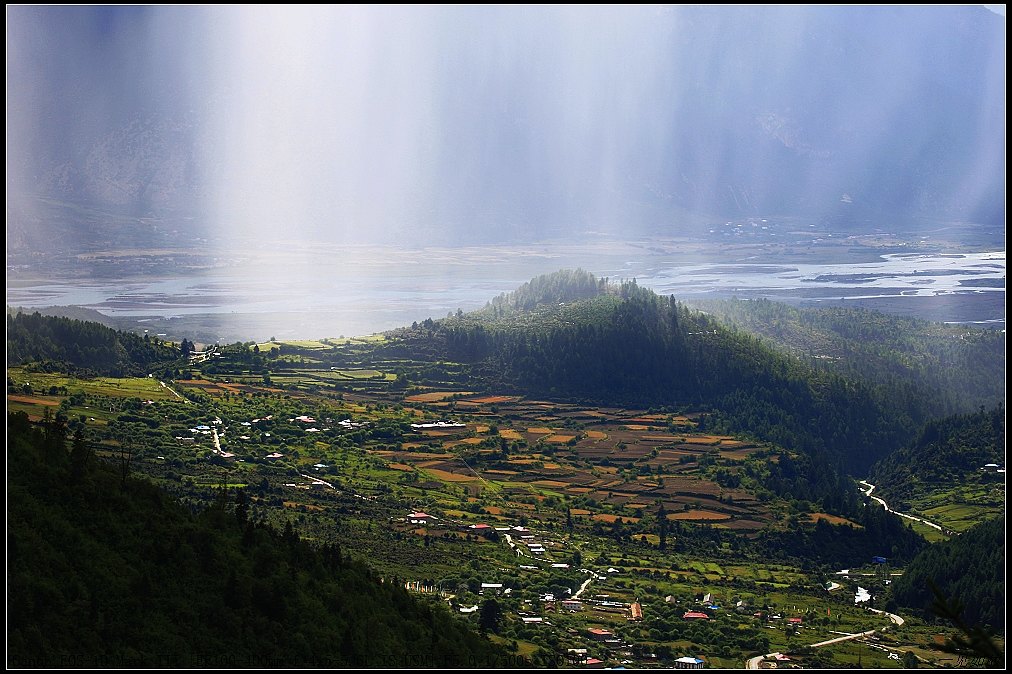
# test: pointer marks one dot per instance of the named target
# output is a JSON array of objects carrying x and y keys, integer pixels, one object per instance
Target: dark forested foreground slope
[
  {"x": 568, "y": 335},
  {"x": 969, "y": 568},
  {"x": 68, "y": 344},
  {"x": 103, "y": 572}
]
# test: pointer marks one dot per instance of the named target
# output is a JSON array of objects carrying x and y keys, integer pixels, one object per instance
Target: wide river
[{"x": 325, "y": 292}]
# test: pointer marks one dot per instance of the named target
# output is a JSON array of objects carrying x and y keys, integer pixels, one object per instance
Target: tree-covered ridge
[
  {"x": 104, "y": 571},
  {"x": 82, "y": 345},
  {"x": 969, "y": 567},
  {"x": 629, "y": 346},
  {"x": 566, "y": 285},
  {"x": 957, "y": 368},
  {"x": 946, "y": 451}
]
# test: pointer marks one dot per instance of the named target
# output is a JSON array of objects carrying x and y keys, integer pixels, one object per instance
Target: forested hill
[
  {"x": 570, "y": 336},
  {"x": 105, "y": 572},
  {"x": 82, "y": 345},
  {"x": 946, "y": 452},
  {"x": 970, "y": 567},
  {"x": 955, "y": 367}
]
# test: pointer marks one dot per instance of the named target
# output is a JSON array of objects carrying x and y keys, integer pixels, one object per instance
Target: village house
[
  {"x": 687, "y": 662},
  {"x": 635, "y": 611},
  {"x": 493, "y": 588},
  {"x": 420, "y": 518},
  {"x": 695, "y": 615}
]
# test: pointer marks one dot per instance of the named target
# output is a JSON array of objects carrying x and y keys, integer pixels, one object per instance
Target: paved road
[
  {"x": 871, "y": 488},
  {"x": 173, "y": 392},
  {"x": 753, "y": 663},
  {"x": 583, "y": 587}
]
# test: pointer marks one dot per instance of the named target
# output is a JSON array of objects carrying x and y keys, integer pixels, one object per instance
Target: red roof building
[{"x": 695, "y": 615}]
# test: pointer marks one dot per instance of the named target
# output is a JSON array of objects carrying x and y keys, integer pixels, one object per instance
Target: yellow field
[
  {"x": 832, "y": 519},
  {"x": 637, "y": 427},
  {"x": 561, "y": 439},
  {"x": 596, "y": 435},
  {"x": 510, "y": 434},
  {"x": 540, "y": 430},
  {"x": 602, "y": 517},
  {"x": 704, "y": 439},
  {"x": 400, "y": 466}
]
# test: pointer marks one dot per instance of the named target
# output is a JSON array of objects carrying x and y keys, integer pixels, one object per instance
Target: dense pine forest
[
  {"x": 65, "y": 344},
  {"x": 969, "y": 568},
  {"x": 103, "y": 570}
]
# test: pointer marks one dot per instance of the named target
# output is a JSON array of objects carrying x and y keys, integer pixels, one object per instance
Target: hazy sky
[{"x": 372, "y": 123}]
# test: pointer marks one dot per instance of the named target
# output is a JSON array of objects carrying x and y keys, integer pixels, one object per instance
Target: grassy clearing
[{"x": 146, "y": 388}]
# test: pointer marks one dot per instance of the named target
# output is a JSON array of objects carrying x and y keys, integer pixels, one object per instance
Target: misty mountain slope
[
  {"x": 963, "y": 366},
  {"x": 494, "y": 124},
  {"x": 627, "y": 346}
]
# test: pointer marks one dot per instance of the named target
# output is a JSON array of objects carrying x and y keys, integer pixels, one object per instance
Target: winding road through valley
[{"x": 870, "y": 488}]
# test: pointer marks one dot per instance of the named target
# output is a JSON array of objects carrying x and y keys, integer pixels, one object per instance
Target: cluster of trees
[
  {"x": 104, "y": 570},
  {"x": 946, "y": 451},
  {"x": 969, "y": 568},
  {"x": 879, "y": 534},
  {"x": 64, "y": 344}
]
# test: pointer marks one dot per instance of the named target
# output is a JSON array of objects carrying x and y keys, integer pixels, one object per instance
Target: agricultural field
[{"x": 570, "y": 515}]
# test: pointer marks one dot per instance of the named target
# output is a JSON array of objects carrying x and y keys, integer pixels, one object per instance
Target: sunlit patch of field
[
  {"x": 596, "y": 435},
  {"x": 704, "y": 439},
  {"x": 832, "y": 519},
  {"x": 540, "y": 430},
  {"x": 493, "y": 400},
  {"x": 560, "y": 439},
  {"x": 637, "y": 427},
  {"x": 146, "y": 388},
  {"x": 605, "y": 517},
  {"x": 579, "y": 511},
  {"x": 510, "y": 434},
  {"x": 481, "y": 429},
  {"x": 400, "y": 466}
]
